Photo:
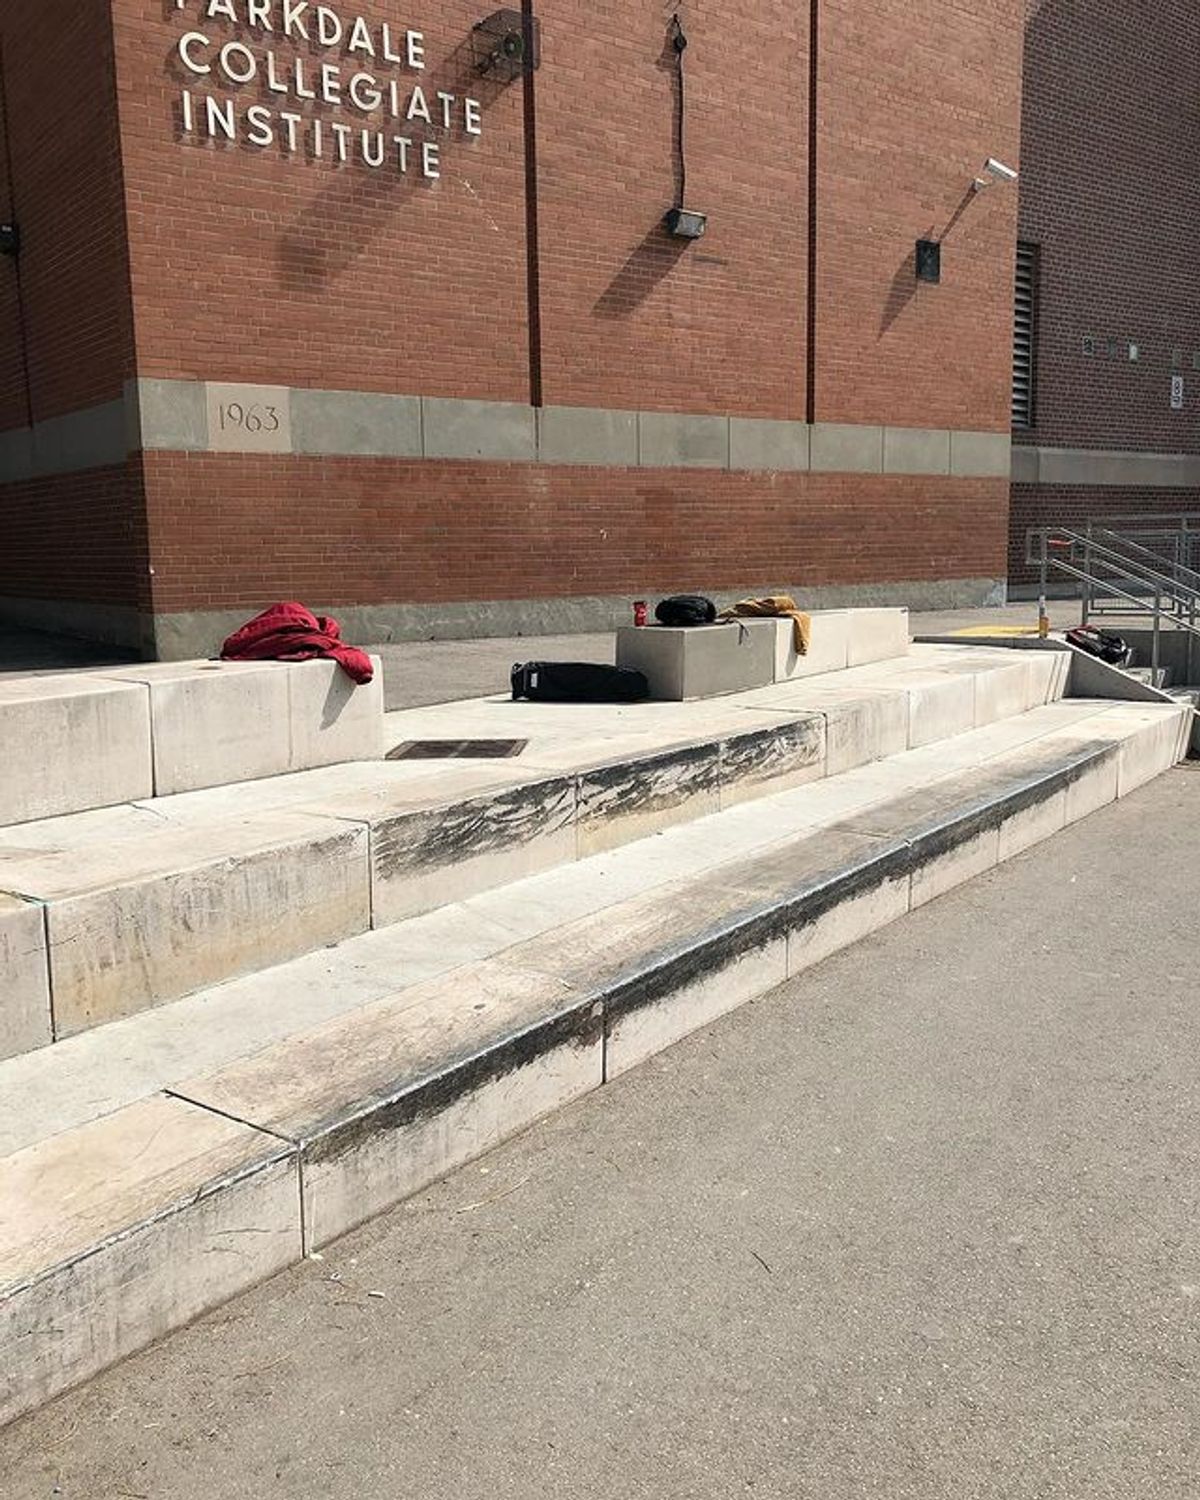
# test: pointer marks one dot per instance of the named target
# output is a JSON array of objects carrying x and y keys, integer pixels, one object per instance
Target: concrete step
[
  {"x": 147, "y": 902},
  {"x": 157, "y": 1166},
  {"x": 118, "y": 734}
]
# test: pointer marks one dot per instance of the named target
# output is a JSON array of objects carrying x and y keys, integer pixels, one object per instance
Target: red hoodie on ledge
[{"x": 290, "y": 632}]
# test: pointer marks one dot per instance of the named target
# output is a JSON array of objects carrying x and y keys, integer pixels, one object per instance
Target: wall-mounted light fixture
[
  {"x": 994, "y": 171},
  {"x": 929, "y": 260},
  {"x": 682, "y": 223},
  {"x": 10, "y": 239},
  {"x": 499, "y": 46}
]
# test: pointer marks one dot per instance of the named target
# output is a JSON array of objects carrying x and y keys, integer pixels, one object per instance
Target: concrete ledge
[
  {"x": 332, "y": 719},
  {"x": 123, "y": 1229},
  {"x": 71, "y": 742},
  {"x": 132, "y": 922},
  {"x": 702, "y": 661},
  {"x": 828, "y": 648},
  {"x": 24, "y": 978},
  {"x": 706, "y": 661},
  {"x": 214, "y": 722},
  {"x": 199, "y": 724},
  {"x": 876, "y": 635}
]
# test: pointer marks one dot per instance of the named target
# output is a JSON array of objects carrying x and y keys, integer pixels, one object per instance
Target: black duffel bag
[
  {"x": 1102, "y": 643},
  {"x": 577, "y": 682},
  {"x": 686, "y": 609}
]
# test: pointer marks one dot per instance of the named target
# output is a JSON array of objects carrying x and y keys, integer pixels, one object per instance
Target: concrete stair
[
  {"x": 144, "y": 903},
  {"x": 521, "y": 932}
]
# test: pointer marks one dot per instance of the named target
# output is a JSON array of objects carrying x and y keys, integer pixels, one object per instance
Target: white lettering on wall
[
  {"x": 278, "y": 47},
  {"x": 187, "y": 50}
]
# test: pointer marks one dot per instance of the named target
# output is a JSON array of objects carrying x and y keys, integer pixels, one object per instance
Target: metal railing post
[
  {"x": 1157, "y": 628},
  {"x": 1085, "y": 587}
]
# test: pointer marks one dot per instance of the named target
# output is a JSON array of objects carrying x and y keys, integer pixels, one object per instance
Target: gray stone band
[
  {"x": 183, "y": 636},
  {"x": 1101, "y": 468},
  {"x": 199, "y": 417}
]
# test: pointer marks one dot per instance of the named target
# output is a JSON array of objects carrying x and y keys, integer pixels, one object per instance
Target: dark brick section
[
  {"x": 1074, "y": 505},
  {"x": 1110, "y": 141},
  {"x": 66, "y": 191},
  {"x": 78, "y": 538}
]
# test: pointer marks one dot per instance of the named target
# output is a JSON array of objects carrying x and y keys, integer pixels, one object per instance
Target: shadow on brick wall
[
  {"x": 340, "y": 222},
  {"x": 656, "y": 257}
]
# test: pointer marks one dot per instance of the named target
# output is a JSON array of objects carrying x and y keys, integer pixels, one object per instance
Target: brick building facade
[
  {"x": 477, "y": 387},
  {"x": 1110, "y": 211}
]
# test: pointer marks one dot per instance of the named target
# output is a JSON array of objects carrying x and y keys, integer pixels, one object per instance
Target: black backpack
[
  {"x": 686, "y": 609},
  {"x": 577, "y": 682},
  {"x": 1108, "y": 647}
]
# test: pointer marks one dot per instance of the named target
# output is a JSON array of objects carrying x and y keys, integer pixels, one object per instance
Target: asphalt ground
[{"x": 922, "y": 1223}]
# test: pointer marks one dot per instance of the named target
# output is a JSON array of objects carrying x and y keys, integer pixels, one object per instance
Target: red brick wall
[
  {"x": 252, "y": 266},
  {"x": 348, "y": 278},
  {"x": 914, "y": 98},
  {"x": 67, "y": 191},
  {"x": 631, "y": 317},
  {"x": 359, "y": 531},
  {"x": 247, "y": 265}
]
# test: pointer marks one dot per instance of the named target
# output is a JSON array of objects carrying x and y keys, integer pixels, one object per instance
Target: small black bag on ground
[
  {"x": 577, "y": 682},
  {"x": 1102, "y": 643},
  {"x": 686, "y": 609}
]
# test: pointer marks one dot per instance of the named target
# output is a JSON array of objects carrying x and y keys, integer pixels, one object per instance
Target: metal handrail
[
  {"x": 1173, "y": 597},
  {"x": 1192, "y": 580},
  {"x": 1178, "y": 534},
  {"x": 1130, "y": 570}
]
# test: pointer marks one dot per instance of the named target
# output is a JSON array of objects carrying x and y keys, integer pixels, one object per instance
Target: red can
[{"x": 641, "y": 612}]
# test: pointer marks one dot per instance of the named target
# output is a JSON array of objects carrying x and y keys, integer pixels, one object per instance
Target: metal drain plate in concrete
[{"x": 457, "y": 749}]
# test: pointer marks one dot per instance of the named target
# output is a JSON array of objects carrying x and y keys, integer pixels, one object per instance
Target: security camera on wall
[
  {"x": 995, "y": 171},
  {"x": 498, "y": 45}
]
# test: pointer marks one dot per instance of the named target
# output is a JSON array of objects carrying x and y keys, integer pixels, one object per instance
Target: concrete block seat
[
  {"x": 707, "y": 660},
  {"x": 300, "y": 1100},
  {"x": 119, "y": 734}
]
